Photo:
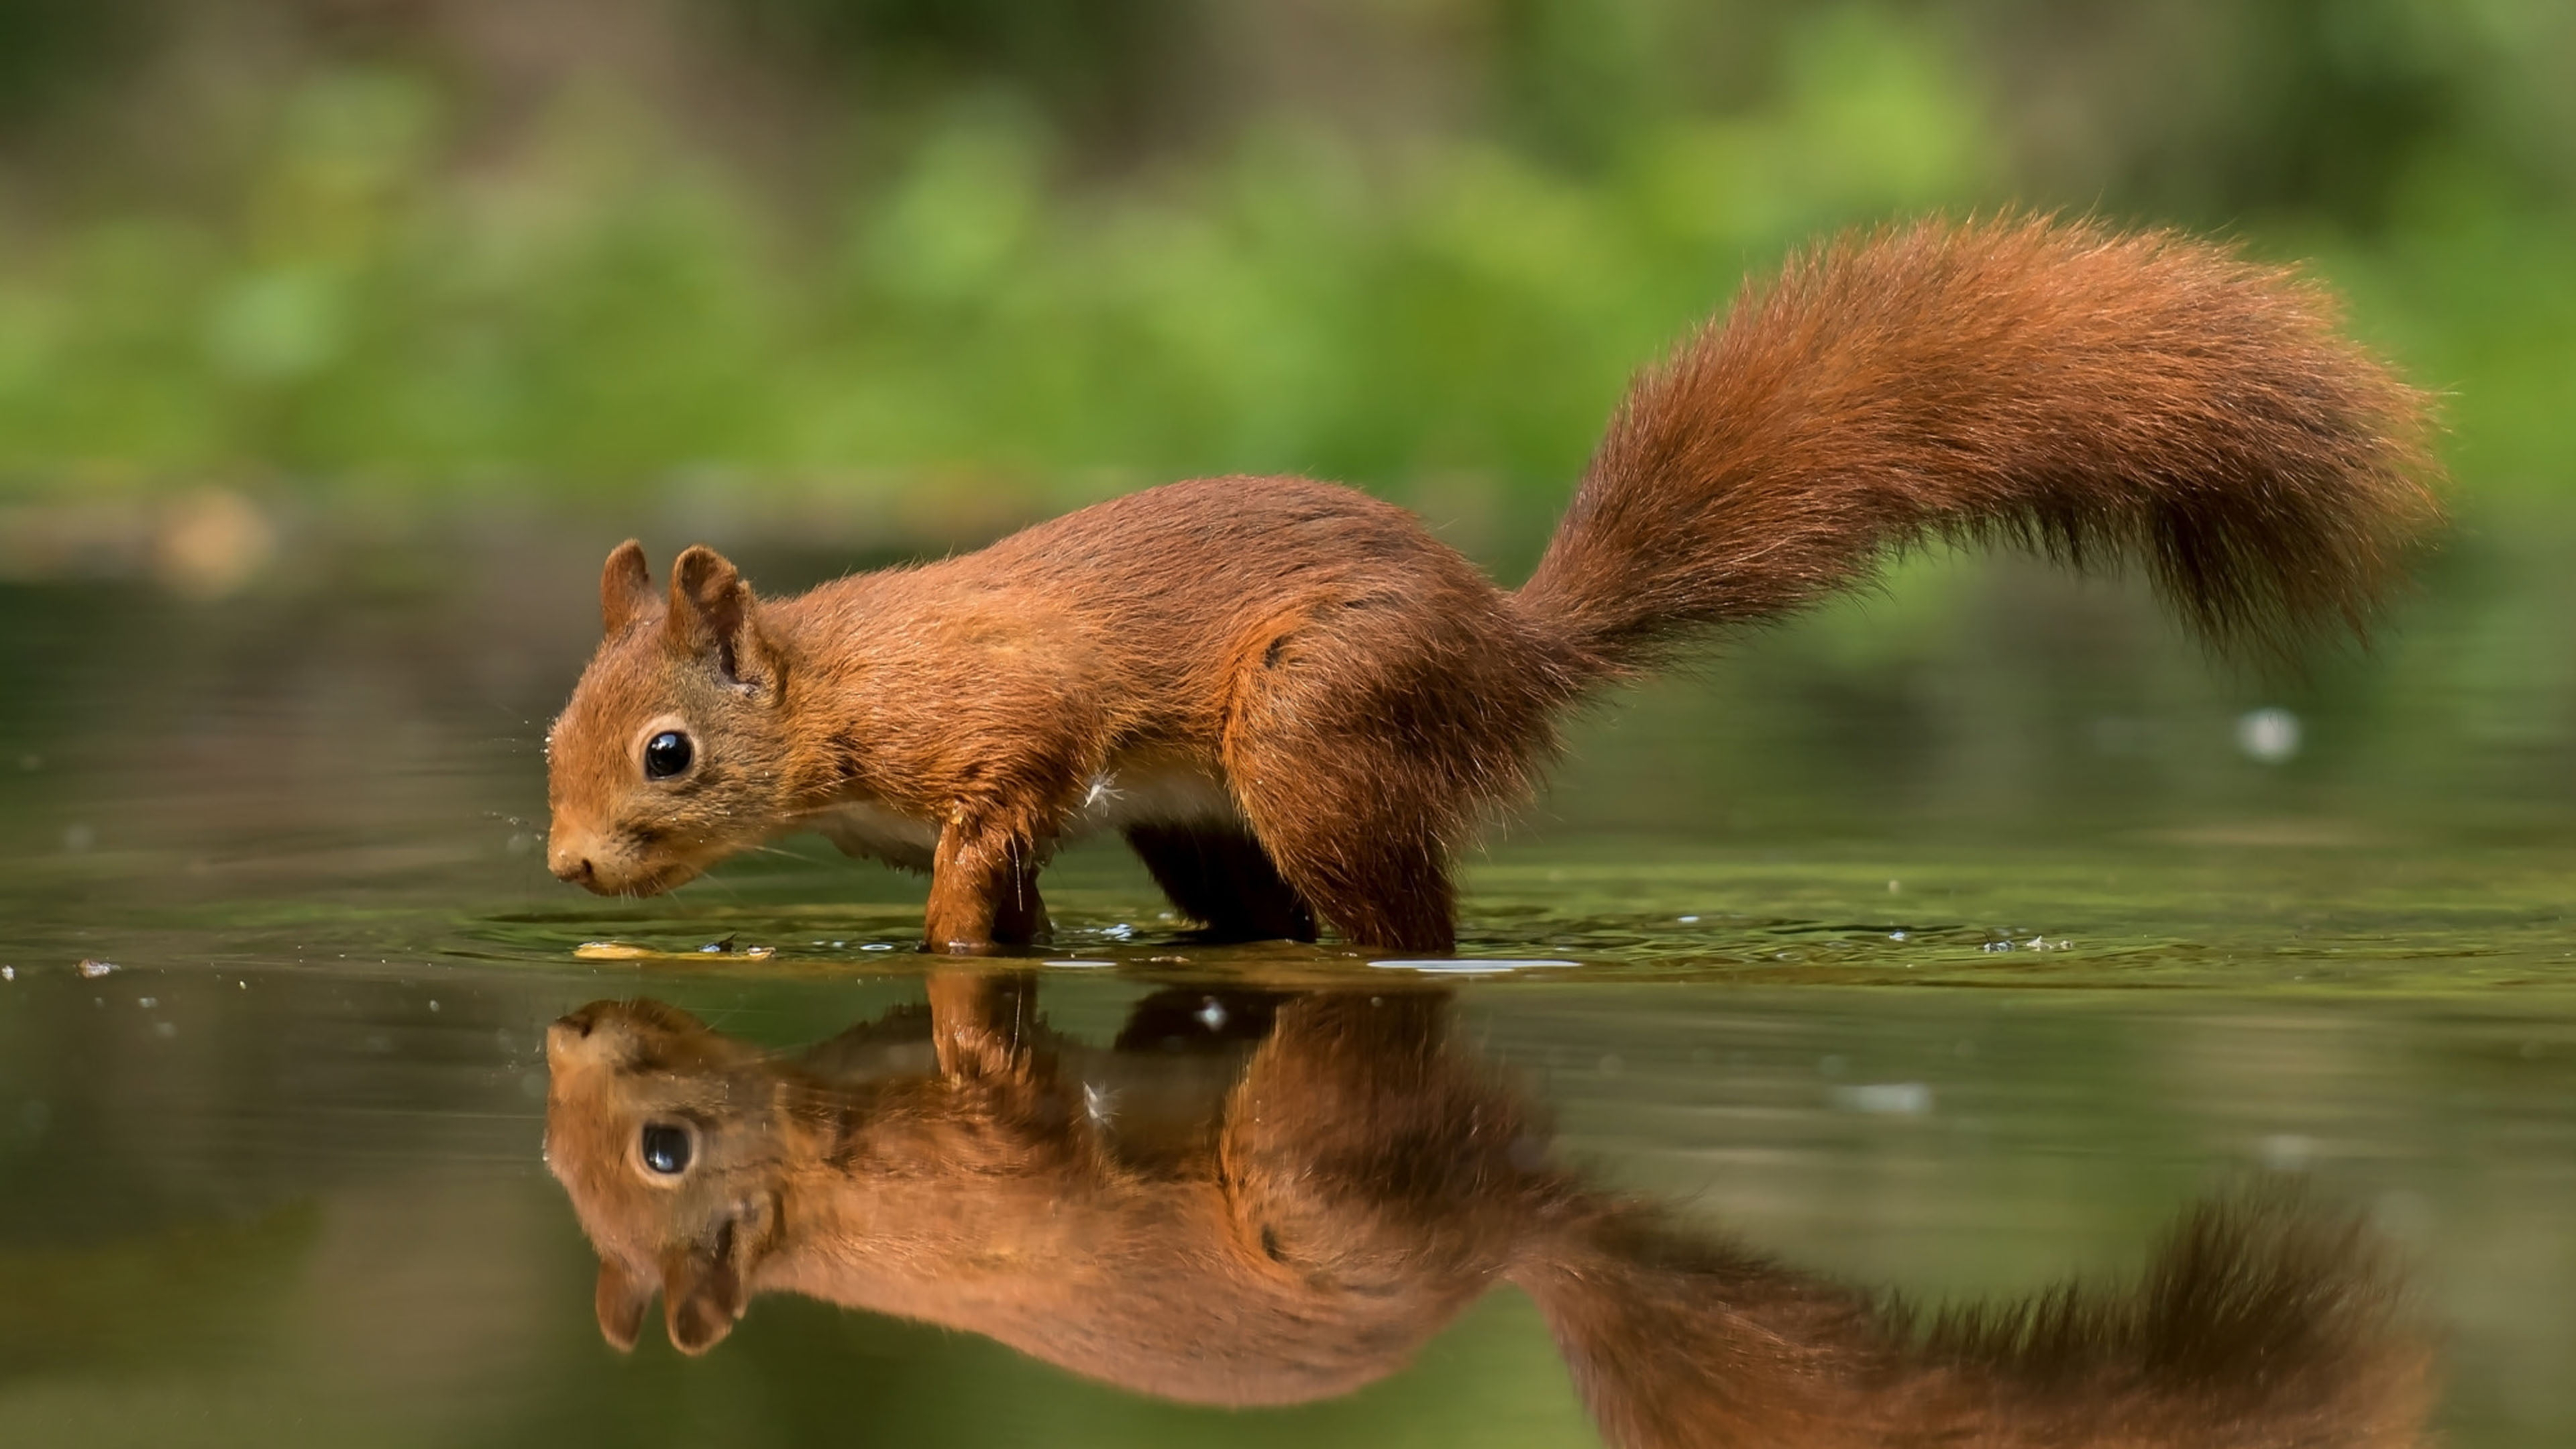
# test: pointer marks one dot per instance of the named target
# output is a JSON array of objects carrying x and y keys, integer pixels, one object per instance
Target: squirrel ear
[
  {"x": 625, "y": 589},
  {"x": 711, "y": 614},
  {"x": 621, "y": 1299},
  {"x": 705, "y": 1288}
]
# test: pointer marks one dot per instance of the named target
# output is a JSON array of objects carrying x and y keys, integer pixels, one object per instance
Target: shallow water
[{"x": 1951, "y": 946}]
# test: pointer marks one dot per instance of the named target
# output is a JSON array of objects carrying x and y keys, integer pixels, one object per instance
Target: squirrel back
[{"x": 2055, "y": 385}]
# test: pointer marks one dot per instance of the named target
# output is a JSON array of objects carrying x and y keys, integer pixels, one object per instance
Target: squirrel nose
[
  {"x": 570, "y": 865},
  {"x": 569, "y": 1037}
]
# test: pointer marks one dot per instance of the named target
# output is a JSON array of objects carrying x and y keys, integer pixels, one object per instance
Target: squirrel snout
[
  {"x": 603, "y": 865},
  {"x": 571, "y": 863},
  {"x": 575, "y": 1037}
]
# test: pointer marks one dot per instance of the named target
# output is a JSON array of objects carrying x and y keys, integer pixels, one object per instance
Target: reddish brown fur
[
  {"x": 1288, "y": 1218},
  {"x": 1295, "y": 702}
]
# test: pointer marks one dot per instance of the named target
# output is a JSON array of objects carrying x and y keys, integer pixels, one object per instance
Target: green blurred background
[
  {"x": 951, "y": 263},
  {"x": 339, "y": 339}
]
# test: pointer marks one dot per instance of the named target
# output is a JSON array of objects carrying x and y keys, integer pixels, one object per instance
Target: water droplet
[
  {"x": 2270, "y": 735},
  {"x": 2286, "y": 1151},
  {"x": 1886, "y": 1099}
]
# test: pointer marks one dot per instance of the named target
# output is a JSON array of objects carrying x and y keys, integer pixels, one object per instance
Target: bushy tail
[
  {"x": 2261, "y": 1323},
  {"x": 1674, "y": 1342},
  {"x": 2262, "y": 1319},
  {"x": 2056, "y": 385}
]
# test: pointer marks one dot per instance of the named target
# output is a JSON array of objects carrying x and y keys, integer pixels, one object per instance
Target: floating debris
[
  {"x": 629, "y": 951},
  {"x": 1080, "y": 965},
  {"x": 1455, "y": 967},
  {"x": 8, "y": 973},
  {"x": 92, "y": 968}
]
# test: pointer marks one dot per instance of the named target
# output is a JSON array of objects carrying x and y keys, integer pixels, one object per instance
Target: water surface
[{"x": 1949, "y": 946}]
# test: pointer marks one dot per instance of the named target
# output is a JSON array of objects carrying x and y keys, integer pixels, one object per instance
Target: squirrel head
[
  {"x": 667, "y": 1138},
  {"x": 672, "y": 753}
]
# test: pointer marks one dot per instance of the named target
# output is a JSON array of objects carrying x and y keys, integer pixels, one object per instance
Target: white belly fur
[
  {"x": 867, "y": 829},
  {"x": 1143, "y": 790},
  {"x": 1154, "y": 790}
]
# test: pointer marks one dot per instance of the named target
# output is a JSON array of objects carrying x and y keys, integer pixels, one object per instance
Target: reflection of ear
[
  {"x": 706, "y": 1286},
  {"x": 711, "y": 614},
  {"x": 625, "y": 590},
  {"x": 621, "y": 1300}
]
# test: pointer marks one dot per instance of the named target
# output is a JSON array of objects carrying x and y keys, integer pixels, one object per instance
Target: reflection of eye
[
  {"x": 666, "y": 754},
  {"x": 666, "y": 1148}
]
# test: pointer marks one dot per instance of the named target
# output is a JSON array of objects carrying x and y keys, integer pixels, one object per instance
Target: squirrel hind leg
[
  {"x": 1380, "y": 887},
  {"x": 1223, "y": 880},
  {"x": 1364, "y": 736},
  {"x": 1355, "y": 828}
]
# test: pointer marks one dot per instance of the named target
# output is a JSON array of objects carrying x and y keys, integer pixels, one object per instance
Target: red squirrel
[
  {"x": 1271, "y": 1201},
  {"x": 1294, "y": 701}
]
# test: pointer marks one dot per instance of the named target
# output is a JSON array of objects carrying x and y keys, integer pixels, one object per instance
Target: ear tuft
[
  {"x": 700, "y": 1301},
  {"x": 625, "y": 588},
  {"x": 711, "y": 613},
  {"x": 705, "y": 1287},
  {"x": 620, "y": 1300}
]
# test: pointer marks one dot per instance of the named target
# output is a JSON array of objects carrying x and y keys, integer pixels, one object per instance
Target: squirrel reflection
[{"x": 1263, "y": 1200}]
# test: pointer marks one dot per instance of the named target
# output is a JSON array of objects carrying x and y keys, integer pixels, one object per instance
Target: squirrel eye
[
  {"x": 666, "y": 754},
  {"x": 666, "y": 1148}
]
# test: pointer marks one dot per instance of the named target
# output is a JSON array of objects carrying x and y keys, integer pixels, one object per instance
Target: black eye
[
  {"x": 666, "y": 754},
  {"x": 666, "y": 1148}
]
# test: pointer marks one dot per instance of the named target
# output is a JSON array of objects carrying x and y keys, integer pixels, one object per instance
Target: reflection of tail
[{"x": 2259, "y": 1325}]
